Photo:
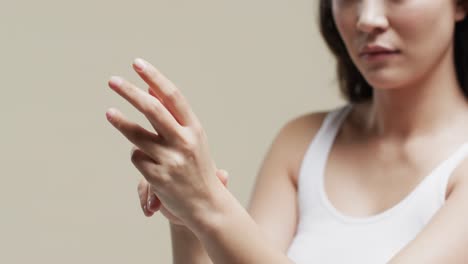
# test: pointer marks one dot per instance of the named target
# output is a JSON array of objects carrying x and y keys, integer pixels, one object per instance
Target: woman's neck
[{"x": 422, "y": 108}]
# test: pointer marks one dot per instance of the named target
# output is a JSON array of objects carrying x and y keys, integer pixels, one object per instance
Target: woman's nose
[{"x": 371, "y": 16}]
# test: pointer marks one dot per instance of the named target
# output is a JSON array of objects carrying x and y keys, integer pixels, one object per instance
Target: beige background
[{"x": 68, "y": 188}]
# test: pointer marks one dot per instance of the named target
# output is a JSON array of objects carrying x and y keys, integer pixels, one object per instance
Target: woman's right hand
[{"x": 150, "y": 202}]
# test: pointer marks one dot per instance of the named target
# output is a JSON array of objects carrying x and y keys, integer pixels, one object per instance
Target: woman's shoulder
[
  {"x": 295, "y": 136},
  {"x": 306, "y": 125}
]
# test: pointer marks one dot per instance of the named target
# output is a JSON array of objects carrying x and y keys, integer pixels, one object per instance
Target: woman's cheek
[
  {"x": 346, "y": 27},
  {"x": 425, "y": 38},
  {"x": 424, "y": 26}
]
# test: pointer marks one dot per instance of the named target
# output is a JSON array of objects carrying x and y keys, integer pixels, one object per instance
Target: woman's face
[{"x": 396, "y": 42}]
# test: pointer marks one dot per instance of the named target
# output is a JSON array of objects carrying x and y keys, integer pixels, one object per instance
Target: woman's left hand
[{"x": 175, "y": 159}]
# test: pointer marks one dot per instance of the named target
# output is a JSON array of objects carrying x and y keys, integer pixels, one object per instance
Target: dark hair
[{"x": 352, "y": 84}]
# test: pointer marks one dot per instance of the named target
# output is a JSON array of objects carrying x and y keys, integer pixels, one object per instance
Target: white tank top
[{"x": 325, "y": 235}]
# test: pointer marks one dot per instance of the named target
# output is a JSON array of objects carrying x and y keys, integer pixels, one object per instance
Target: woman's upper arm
[{"x": 273, "y": 203}]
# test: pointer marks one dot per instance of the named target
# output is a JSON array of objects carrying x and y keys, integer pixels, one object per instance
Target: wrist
[
  {"x": 178, "y": 228},
  {"x": 182, "y": 233},
  {"x": 208, "y": 220}
]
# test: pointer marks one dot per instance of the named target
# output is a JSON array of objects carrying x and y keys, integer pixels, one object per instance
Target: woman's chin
[{"x": 384, "y": 80}]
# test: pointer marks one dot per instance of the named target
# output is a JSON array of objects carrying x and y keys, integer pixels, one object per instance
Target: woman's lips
[{"x": 379, "y": 55}]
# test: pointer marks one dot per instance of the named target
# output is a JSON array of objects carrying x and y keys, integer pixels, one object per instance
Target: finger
[
  {"x": 143, "y": 195},
  {"x": 159, "y": 117},
  {"x": 150, "y": 91},
  {"x": 171, "y": 96},
  {"x": 154, "y": 174},
  {"x": 153, "y": 201},
  {"x": 145, "y": 140}
]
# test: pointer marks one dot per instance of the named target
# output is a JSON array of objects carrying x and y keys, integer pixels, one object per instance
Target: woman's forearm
[
  {"x": 231, "y": 236},
  {"x": 186, "y": 247}
]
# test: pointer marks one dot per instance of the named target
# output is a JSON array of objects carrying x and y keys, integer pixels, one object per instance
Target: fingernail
[
  {"x": 115, "y": 80},
  {"x": 140, "y": 64},
  {"x": 110, "y": 113},
  {"x": 108, "y": 116},
  {"x": 151, "y": 201}
]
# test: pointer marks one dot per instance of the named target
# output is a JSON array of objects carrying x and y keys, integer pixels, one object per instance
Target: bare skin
[
  {"x": 151, "y": 204},
  {"x": 371, "y": 174},
  {"x": 417, "y": 106},
  {"x": 417, "y": 118}
]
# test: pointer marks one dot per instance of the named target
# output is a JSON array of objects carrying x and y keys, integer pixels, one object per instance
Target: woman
[{"x": 382, "y": 179}]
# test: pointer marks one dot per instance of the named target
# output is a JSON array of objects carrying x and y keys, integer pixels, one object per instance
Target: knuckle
[
  {"x": 189, "y": 145},
  {"x": 174, "y": 94},
  {"x": 189, "y": 141},
  {"x": 175, "y": 161},
  {"x": 154, "y": 176},
  {"x": 198, "y": 131},
  {"x": 150, "y": 105}
]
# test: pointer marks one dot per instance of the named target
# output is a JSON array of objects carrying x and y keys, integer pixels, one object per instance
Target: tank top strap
[
  {"x": 446, "y": 169},
  {"x": 318, "y": 147},
  {"x": 328, "y": 130},
  {"x": 333, "y": 123}
]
